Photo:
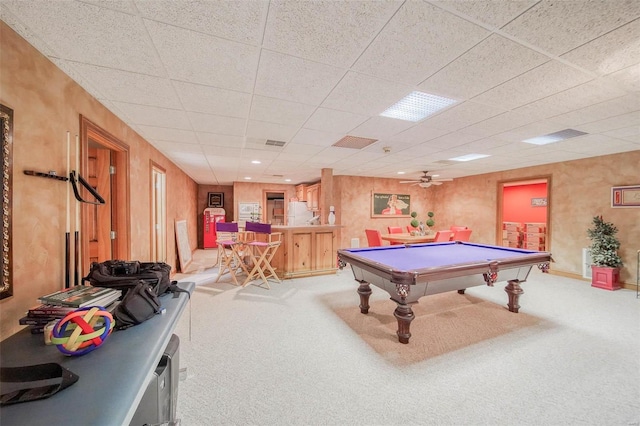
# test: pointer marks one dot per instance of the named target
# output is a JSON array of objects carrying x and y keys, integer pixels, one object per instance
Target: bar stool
[
  {"x": 230, "y": 251},
  {"x": 262, "y": 252}
]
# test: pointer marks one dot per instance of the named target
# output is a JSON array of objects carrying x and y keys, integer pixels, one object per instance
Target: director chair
[
  {"x": 230, "y": 250},
  {"x": 263, "y": 245}
]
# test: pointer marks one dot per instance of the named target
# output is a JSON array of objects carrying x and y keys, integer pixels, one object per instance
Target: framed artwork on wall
[
  {"x": 625, "y": 196},
  {"x": 215, "y": 199},
  {"x": 390, "y": 205}
]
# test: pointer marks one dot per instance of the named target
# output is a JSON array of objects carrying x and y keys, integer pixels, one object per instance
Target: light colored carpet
[
  {"x": 443, "y": 323},
  {"x": 291, "y": 356}
]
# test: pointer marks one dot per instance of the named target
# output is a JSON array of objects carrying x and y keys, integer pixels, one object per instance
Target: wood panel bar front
[{"x": 306, "y": 250}]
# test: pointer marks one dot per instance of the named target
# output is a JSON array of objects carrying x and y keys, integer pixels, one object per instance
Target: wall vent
[
  {"x": 354, "y": 142},
  {"x": 275, "y": 143}
]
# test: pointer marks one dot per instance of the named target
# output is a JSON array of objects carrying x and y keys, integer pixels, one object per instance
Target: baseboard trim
[{"x": 628, "y": 286}]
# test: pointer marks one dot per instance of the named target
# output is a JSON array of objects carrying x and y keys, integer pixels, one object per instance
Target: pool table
[{"x": 408, "y": 272}]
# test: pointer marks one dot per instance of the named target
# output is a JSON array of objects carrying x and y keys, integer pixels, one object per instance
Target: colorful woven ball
[{"x": 82, "y": 330}]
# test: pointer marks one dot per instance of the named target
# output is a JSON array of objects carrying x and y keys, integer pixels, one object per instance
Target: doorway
[
  {"x": 275, "y": 211},
  {"x": 158, "y": 198},
  {"x": 104, "y": 160},
  {"x": 524, "y": 213}
]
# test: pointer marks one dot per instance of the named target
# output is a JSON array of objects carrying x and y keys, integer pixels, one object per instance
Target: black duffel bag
[{"x": 123, "y": 275}]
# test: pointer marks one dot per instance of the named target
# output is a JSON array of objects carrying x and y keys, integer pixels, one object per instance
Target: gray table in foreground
[{"x": 113, "y": 378}]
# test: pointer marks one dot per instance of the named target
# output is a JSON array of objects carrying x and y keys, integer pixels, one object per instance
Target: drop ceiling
[{"x": 208, "y": 83}]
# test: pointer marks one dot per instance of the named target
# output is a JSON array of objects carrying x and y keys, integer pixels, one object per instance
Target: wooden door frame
[
  {"x": 155, "y": 167},
  {"x": 500, "y": 204},
  {"x": 120, "y": 189}
]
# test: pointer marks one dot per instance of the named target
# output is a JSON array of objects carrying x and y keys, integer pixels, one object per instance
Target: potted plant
[
  {"x": 605, "y": 268},
  {"x": 420, "y": 225}
]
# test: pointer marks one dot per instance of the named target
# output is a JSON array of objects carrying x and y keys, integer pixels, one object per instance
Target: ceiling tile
[
  {"x": 316, "y": 137},
  {"x": 418, "y": 30},
  {"x": 540, "y": 82},
  {"x": 212, "y": 100},
  {"x": 215, "y": 62},
  {"x": 330, "y": 32},
  {"x": 171, "y": 148},
  {"x": 612, "y": 52},
  {"x": 234, "y": 20},
  {"x": 214, "y": 139},
  {"x": 628, "y": 78},
  {"x": 602, "y": 110},
  {"x": 498, "y": 124},
  {"x": 217, "y": 124},
  {"x": 134, "y": 88},
  {"x": 280, "y": 111},
  {"x": 578, "y": 97},
  {"x": 380, "y": 127},
  {"x": 365, "y": 95},
  {"x": 278, "y": 132},
  {"x": 613, "y": 123},
  {"x": 154, "y": 133},
  {"x": 294, "y": 79},
  {"x": 334, "y": 121},
  {"x": 493, "y": 61},
  {"x": 463, "y": 115},
  {"x": 491, "y": 12},
  {"x": 155, "y": 116},
  {"x": 572, "y": 22},
  {"x": 117, "y": 40}
]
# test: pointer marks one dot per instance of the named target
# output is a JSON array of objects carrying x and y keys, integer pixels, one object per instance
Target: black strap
[
  {"x": 33, "y": 382},
  {"x": 173, "y": 288}
]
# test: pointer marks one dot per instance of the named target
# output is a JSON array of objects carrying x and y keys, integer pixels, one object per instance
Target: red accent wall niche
[{"x": 517, "y": 205}]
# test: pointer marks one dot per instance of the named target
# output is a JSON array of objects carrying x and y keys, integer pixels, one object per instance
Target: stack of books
[{"x": 58, "y": 304}]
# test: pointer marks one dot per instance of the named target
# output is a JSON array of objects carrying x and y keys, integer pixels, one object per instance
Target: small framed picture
[{"x": 215, "y": 199}]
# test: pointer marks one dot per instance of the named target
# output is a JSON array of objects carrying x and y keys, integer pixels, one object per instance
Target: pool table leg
[
  {"x": 514, "y": 291},
  {"x": 404, "y": 315},
  {"x": 364, "y": 290}
]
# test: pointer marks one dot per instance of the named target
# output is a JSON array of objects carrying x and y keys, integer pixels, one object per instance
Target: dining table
[{"x": 407, "y": 238}]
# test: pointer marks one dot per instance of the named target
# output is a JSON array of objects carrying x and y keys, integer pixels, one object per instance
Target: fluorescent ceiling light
[
  {"x": 255, "y": 162},
  {"x": 416, "y": 106},
  {"x": 555, "y": 137},
  {"x": 469, "y": 157}
]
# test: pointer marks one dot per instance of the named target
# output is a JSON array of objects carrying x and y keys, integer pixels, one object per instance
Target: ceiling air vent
[
  {"x": 354, "y": 142},
  {"x": 275, "y": 143},
  {"x": 444, "y": 162}
]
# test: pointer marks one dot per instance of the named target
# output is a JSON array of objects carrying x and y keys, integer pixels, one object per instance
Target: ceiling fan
[{"x": 426, "y": 181}]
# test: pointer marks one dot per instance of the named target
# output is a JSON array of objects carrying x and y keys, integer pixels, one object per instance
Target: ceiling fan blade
[
  {"x": 435, "y": 182},
  {"x": 409, "y": 181},
  {"x": 442, "y": 180}
]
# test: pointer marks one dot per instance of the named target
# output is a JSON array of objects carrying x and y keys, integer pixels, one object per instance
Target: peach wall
[
  {"x": 47, "y": 104},
  {"x": 578, "y": 191},
  {"x": 352, "y": 200}
]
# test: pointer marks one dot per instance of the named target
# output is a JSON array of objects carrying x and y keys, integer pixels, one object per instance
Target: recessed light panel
[
  {"x": 416, "y": 106},
  {"x": 555, "y": 137},
  {"x": 469, "y": 157}
]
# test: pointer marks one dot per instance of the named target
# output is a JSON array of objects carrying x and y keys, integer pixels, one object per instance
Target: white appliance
[{"x": 297, "y": 214}]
